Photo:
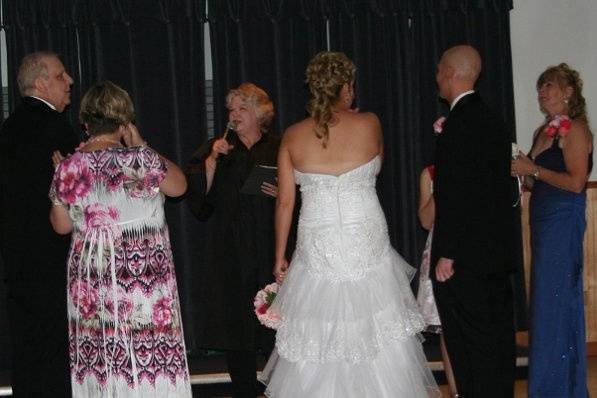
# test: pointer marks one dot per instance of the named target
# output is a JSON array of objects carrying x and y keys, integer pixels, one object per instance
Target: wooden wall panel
[
  {"x": 590, "y": 259},
  {"x": 590, "y": 271}
]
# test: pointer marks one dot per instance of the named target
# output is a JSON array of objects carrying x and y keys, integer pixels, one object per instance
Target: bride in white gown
[{"x": 349, "y": 322}]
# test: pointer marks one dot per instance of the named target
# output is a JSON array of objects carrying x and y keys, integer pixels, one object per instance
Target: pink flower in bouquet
[
  {"x": 438, "y": 125},
  {"x": 162, "y": 312},
  {"x": 73, "y": 179},
  {"x": 262, "y": 309},
  {"x": 262, "y": 303},
  {"x": 559, "y": 124}
]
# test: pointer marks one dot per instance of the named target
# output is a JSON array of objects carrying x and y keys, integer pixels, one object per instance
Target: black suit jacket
[
  {"x": 34, "y": 255},
  {"x": 474, "y": 222}
]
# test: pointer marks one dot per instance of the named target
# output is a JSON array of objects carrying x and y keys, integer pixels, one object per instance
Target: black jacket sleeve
[{"x": 196, "y": 194}]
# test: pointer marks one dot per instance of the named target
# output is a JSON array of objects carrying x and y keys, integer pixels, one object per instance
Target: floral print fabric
[{"x": 125, "y": 330}]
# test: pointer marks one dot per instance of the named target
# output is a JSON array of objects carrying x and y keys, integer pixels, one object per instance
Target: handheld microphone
[{"x": 229, "y": 126}]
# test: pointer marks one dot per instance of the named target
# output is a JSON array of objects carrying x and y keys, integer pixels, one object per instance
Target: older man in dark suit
[
  {"x": 473, "y": 241},
  {"x": 34, "y": 256}
]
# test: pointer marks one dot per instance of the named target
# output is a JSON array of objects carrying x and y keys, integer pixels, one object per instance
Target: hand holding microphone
[{"x": 221, "y": 146}]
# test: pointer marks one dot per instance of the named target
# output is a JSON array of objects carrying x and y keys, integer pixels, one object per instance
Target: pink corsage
[
  {"x": 559, "y": 124},
  {"x": 263, "y": 300},
  {"x": 438, "y": 125}
]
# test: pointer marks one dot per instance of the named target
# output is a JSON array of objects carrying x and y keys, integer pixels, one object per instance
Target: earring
[{"x": 566, "y": 101}]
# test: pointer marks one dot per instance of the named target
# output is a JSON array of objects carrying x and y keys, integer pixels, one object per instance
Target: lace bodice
[
  {"x": 343, "y": 198},
  {"x": 341, "y": 224},
  {"x": 347, "y": 292}
]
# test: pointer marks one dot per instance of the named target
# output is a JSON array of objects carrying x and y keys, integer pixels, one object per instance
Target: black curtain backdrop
[
  {"x": 396, "y": 46},
  {"x": 34, "y": 25},
  {"x": 152, "y": 48},
  {"x": 29, "y": 26},
  {"x": 155, "y": 50},
  {"x": 1, "y": 71},
  {"x": 268, "y": 43},
  {"x": 4, "y": 332}
]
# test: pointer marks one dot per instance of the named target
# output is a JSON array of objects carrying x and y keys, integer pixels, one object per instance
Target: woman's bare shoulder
[
  {"x": 298, "y": 129},
  {"x": 580, "y": 129},
  {"x": 366, "y": 117}
]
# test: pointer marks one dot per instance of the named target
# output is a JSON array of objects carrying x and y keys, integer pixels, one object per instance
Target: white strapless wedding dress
[{"x": 349, "y": 321}]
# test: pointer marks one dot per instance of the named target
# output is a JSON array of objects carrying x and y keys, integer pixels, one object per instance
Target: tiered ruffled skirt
[{"x": 350, "y": 324}]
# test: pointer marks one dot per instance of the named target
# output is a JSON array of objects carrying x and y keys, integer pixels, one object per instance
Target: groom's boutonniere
[{"x": 438, "y": 125}]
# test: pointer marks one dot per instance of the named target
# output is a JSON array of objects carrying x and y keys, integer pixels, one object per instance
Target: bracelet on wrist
[{"x": 536, "y": 173}]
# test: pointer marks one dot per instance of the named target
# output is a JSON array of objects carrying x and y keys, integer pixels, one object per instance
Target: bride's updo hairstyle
[
  {"x": 326, "y": 74},
  {"x": 564, "y": 76}
]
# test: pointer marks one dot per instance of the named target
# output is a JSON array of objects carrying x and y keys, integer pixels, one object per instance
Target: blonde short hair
[
  {"x": 256, "y": 98},
  {"x": 105, "y": 107}
]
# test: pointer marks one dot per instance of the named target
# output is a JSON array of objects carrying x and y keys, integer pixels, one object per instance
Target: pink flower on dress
[
  {"x": 84, "y": 297},
  {"x": 162, "y": 312},
  {"x": 73, "y": 179},
  {"x": 125, "y": 305},
  {"x": 438, "y": 125},
  {"x": 113, "y": 177},
  {"x": 152, "y": 179},
  {"x": 78, "y": 246},
  {"x": 146, "y": 185},
  {"x": 150, "y": 185},
  {"x": 98, "y": 215}
]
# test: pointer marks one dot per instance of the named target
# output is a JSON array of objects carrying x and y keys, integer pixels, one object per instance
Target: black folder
[{"x": 260, "y": 174}]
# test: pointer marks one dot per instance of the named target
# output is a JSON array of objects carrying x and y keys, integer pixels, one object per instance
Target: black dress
[{"x": 239, "y": 248}]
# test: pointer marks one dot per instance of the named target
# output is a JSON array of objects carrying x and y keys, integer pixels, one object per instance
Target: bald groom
[{"x": 473, "y": 236}]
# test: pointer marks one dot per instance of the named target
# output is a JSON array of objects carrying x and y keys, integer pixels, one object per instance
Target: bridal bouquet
[{"x": 263, "y": 300}]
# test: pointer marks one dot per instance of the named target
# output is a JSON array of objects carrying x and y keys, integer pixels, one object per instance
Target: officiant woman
[{"x": 240, "y": 232}]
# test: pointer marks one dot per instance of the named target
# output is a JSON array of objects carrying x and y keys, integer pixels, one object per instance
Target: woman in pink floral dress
[{"x": 125, "y": 330}]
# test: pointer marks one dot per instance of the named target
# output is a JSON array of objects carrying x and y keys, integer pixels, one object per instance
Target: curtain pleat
[
  {"x": 155, "y": 50},
  {"x": 396, "y": 47},
  {"x": 268, "y": 43},
  {"x": 157, "y": 53}
]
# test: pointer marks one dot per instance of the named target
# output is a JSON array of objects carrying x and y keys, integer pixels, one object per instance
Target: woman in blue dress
[{"x": 559, "y": 164}]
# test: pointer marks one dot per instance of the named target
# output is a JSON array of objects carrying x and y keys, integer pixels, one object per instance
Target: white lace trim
[{"x": 348, "y": 341}]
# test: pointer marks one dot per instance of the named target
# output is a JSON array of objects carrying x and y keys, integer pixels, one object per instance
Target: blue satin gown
[{"x": 557, "y": 359}]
